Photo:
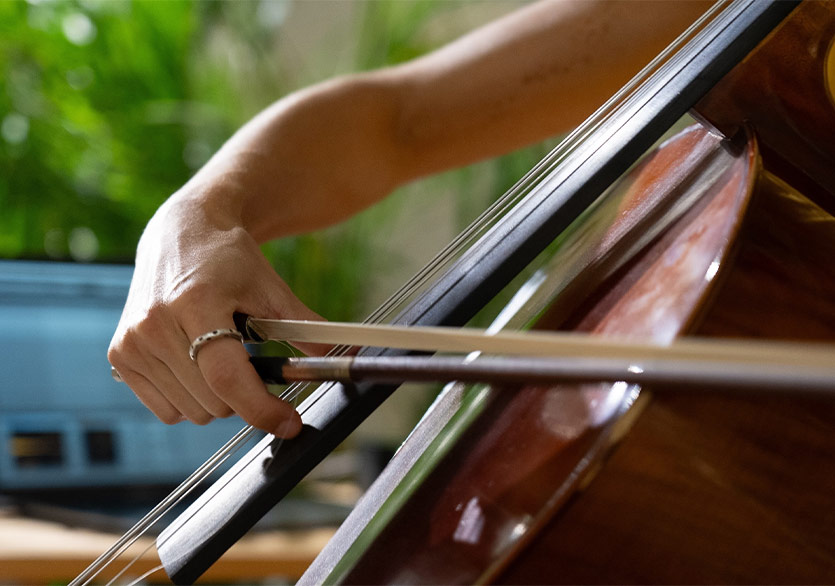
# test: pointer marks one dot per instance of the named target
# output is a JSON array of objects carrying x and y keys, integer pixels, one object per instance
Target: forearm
[
  {"x": 534, "y": 74},
  {"x": 310, "y": 160},
  {"x": 320, "y": 155}
]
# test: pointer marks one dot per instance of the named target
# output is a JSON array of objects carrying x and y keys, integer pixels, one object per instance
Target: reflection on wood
[{"x": 721, "y": 490}]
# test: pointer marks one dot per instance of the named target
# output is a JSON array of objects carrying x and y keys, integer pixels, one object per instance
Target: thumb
[{"x": 282, "y": 303}]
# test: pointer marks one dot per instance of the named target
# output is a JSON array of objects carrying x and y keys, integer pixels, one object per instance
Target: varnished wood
[
  {"x": 701, "y": 489},
  {"x": 715, "y": 490},
  {"x": 516, "y": 463},
  {"x": 781, "y": 91}
]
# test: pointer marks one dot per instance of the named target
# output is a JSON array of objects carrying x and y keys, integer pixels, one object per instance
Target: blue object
[{"x": 64, "y": 422}]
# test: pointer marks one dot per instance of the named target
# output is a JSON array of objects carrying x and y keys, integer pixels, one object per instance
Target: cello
[{"x": 558, "y": 197}]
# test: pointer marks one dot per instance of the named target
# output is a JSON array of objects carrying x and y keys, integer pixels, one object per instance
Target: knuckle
[
  {"x": 121, "y": 348},
  {"x": 221, "y": 411},
  {"x": 114, "y": 355},
  {"x": 203, "y": 418},
  {"x": 135, "y": 332},
  {"x": 153, "y": 323},
  {"x": 169, "y": 416}
]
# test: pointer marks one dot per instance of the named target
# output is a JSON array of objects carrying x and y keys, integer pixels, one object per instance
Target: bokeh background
[{"x": 108, "y": 106}]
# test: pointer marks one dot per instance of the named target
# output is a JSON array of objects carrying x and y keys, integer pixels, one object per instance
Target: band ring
[
  {"x": 115, "y": 374},
  {"x": 199, "y": 341}
]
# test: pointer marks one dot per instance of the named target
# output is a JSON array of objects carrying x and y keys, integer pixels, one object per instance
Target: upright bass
[{"x": 708, "y": 234}]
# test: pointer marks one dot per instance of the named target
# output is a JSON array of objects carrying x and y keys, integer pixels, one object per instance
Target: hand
[{"x": 194, "y": 270}]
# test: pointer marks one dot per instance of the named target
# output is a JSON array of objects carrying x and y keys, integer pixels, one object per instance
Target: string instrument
[{"x": 707, "y": 235}]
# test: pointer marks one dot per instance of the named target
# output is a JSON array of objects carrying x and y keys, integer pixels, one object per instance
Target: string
[
  {"x": 630, "y": 96},
  {"x": 151, "y": 518},
  {"x": 279, "y": 442},
  {"x": 626, "y": 96},
  {"x": 547, "y": 166},
  {"x": 130, "y": 564},
  {"x": 153, "y": 570}
]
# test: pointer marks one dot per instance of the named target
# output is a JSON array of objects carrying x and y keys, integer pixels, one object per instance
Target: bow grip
[{"x": 242, "y": 325}]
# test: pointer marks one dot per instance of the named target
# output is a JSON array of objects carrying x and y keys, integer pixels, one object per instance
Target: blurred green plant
[
  {"x": 83, "y": 161},
  {"x": 108, "y": 106}
]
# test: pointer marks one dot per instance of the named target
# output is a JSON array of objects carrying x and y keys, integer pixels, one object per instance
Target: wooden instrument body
[
  {"x": 712, "y": 489},
  {"x": 660, "y": 509},
  {"x": 702, "y": 489},
  {"x": 785, "y": 91}
]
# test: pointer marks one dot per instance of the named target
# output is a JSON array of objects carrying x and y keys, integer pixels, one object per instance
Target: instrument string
[
  {"x": 637, "y": 91},
  {"x": 160, "y": 541},
  {"x": 141, "y": 578},
  {"x": 130, "y": 564},
  {"x": 534, "y": 177},
  {"x": 176, "y": 496}
]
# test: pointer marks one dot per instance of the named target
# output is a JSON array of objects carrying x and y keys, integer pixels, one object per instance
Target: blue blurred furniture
[{"x": 64, "y": 423}]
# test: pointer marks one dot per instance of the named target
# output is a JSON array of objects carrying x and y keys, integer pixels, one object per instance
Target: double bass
[{"x": 724, "y": 230}]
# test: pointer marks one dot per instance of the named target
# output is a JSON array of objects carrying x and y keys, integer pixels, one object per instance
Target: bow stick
[{"x": 544, "y": 358}]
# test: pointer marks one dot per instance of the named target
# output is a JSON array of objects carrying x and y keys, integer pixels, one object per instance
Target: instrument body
[
  {"x": 713, "y": 488},
  {"x": 262, "y": 477},
  {"x": 527, "y": 451},
  {"x": 685, "y": 485}
]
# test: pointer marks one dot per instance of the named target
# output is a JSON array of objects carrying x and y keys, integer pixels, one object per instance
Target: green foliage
[
  {"x": 108, "y": 106},
  {"x": 390, "y": 31},
  {"x": 83, "y": 160}
]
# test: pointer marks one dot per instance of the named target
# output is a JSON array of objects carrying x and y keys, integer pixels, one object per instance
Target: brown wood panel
[
  {"x": 781, "y": 91},
  {"x": 713, "y": 489}
]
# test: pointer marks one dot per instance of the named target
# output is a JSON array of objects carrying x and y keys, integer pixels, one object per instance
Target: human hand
[{"x": 194, "y": 269}]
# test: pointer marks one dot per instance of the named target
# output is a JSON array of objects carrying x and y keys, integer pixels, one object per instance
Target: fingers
[
  {"x": 184, "y": 286},
  {"x": 169, "y": 387},
  {"x": 191, "y": 381},
  {"x": 226, "y": 368},
  {"x": 151, "y": 398},
  {"x": 283, "y": 303},
  {"x": 156, "y": 365},
  {"x": 227, "y": 375}
]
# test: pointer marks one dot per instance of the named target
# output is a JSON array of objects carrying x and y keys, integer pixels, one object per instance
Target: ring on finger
[
  {"x": 200, "y": 341},
  {"x": 115, "y": 374}
]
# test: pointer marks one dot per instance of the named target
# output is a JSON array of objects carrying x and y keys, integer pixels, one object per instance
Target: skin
[{"x": 299, "y": 166}]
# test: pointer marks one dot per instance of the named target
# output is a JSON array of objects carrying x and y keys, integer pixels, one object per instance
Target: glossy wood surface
[
  {"x": 713, "y": 490},
  {"x": 701, "y": 489},
  {"x": 720, "y": 490},
  {"x": 531, "y": 448},
  {"x": 784, "y": 91}
]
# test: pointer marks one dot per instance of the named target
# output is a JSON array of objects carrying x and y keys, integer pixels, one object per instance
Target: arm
[{"x": 322, "y": 154}]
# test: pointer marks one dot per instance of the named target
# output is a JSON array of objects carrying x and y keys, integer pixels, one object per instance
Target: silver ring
[
  {"x": 115, "y": 374},
  {"x": 209, "y": 336}
]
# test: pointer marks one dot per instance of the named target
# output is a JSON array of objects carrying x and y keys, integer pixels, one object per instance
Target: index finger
[{"x": 225, "y": 366}]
